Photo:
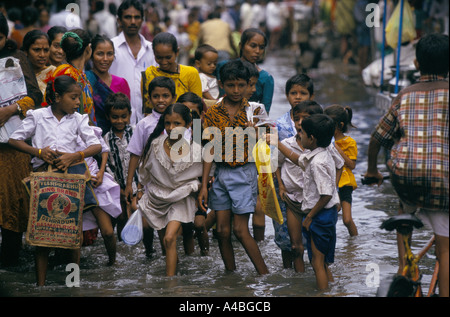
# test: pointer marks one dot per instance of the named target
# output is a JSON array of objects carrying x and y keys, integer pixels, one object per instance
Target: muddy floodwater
[{"x": 359, "y": 261}]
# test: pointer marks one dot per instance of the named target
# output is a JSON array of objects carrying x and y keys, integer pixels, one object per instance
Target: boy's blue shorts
[
  {"x": 323, "y": 232},
  {"x": 234, "y": 188}
]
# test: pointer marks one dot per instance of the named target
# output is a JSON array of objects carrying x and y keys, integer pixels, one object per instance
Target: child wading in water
[
  {"x": 169, "y": 171},
  {"x": 161, "y": 93},
  {"x": 320, "y": 196},
  {"x": 233, "y": 193},
  {"x": 346, "y": 146},
  {"x": 54, "y": 132}
]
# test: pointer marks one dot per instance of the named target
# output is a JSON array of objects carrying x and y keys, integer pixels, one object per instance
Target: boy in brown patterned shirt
[{"x": 234, "y": 190}]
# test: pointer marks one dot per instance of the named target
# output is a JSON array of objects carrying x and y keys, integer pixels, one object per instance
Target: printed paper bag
[
  {"x": 56, "y": 209},
  {"x": 266, "y": 187}
]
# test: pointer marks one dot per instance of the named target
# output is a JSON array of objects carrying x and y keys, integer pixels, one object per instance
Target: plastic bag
[
  {"x": 266, "y": 186},
  {"x": 14, "y": 88},
  {"x": 132, "y": 232},
  {"x": 408, "y": 27}
]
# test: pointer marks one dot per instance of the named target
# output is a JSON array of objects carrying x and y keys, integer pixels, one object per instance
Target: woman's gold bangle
[
  {"x": 82, "y": 155},
  {"x": 40, "y": 152}
]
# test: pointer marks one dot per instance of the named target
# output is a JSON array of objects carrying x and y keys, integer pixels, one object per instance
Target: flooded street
[{"x": 357, "y": 258}]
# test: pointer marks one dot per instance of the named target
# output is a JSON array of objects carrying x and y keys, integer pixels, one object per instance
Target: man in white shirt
[{"x": 133, "y": 53}]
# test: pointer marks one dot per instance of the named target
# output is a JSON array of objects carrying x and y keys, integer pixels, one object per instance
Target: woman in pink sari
[{"x": 103, "y": 83}]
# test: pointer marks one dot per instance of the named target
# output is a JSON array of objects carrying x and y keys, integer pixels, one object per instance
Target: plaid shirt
[{"x": 416, "y": 129}]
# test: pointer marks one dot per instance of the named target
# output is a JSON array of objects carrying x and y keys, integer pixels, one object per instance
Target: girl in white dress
[
  {"x": 107, "y": 192},
  {"x": 169, "y": 172}
]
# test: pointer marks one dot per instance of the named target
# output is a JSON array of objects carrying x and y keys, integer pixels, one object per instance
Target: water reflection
[{"x": 135, "y": 275}]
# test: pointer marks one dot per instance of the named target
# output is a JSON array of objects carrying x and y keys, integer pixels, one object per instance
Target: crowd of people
[{"x": 122, "y": 98}]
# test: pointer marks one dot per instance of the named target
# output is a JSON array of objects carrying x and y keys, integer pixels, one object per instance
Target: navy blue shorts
[{"x": 323, "y": 232}]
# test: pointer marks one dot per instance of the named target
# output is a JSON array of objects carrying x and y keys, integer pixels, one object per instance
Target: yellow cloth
[
  {"x": 186, "y": 80},
  {"x": 266, "y": 187},
  {"x": 43, "y": 77},
  {"x": 348, "y": 146}
]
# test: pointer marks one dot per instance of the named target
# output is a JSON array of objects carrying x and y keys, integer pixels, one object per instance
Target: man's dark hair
[{"x": 128, "y": 4}]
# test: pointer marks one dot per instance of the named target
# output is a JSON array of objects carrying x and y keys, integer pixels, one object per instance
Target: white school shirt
[
  {"x": 45, "y": 130},
  {"x": 292, "y": 174},
  {"x": 130, "y": 68},
  {"x": 319, "y": 178},
  {"x": 143, "y": 130}
]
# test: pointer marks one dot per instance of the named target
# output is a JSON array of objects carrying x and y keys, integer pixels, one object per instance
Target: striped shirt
[
  {"x": 415, "y": 129},
  {"x": 119, "y": 157}
]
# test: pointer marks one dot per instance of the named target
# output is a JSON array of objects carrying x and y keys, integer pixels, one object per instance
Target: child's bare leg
[
  {"x": 188, "y": 238},
  {"x": 295, "y": 233},
  {"x": 347, "y": 218},
  {"x": 318, "y": 264},
  {"x": 202, "y": 234},
  {"x": 329, "y": 273},
  {"x": 442, "y": 255},
  {"x": 148, "y": 238},
  {"x": 41, "y": 260},
  {"x": 401, "y": 246},
  {"x": 210, "y": 220},
  {"x": 107, "y": 231},
  {"x": 122, "y": 219},
  {"x": 170, "y": 244},
  {"x": 287, "y": 258},
  {"x": 241, "y": 231},
  {"x": 224, "y": 238},
  {"x": 259, "y": 222},
  {"x": 161, "y": 234},
  {"x": 74, "y": 256}
]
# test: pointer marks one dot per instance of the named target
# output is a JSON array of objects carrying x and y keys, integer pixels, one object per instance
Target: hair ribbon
[{"x": 74, "y": 36}]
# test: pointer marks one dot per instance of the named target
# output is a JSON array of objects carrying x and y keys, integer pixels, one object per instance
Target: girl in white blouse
[
  {"x": 54, "y": 131},
  {"x": 169, "y": 172}
]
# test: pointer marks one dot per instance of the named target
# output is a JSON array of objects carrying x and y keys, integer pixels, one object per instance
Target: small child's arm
[
  {"x": 202, "y": 198},
  {"x": 321, "y": 203},
  {"x": 207, "y": 95},
  {"x": 287, "y": 151},
  {"x": 97, "y": 179},
  {"x": 281, "y": 187},
  {"x": 132, "y": 167},
  {"x": 351, "y": 164}
]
